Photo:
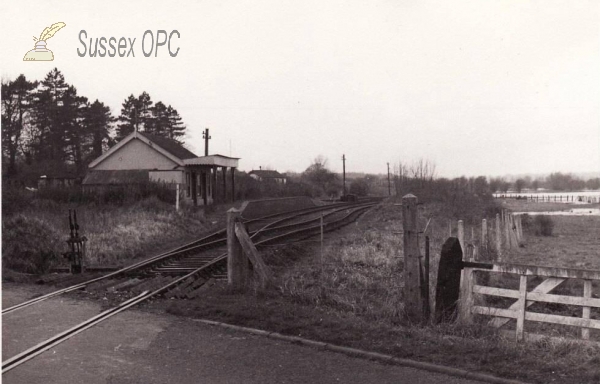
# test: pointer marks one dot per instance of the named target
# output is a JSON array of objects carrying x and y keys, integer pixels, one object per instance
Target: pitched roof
[
  {"x": 266, "y": 174},
  {"x": 129, "y": 176},
  {"x": 170, "y": 146}
]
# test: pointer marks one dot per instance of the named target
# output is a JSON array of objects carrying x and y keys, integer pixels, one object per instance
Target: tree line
[
  {"x": 556, "y": 181},
  {"x": 48, "y": 127},
  {"x": 422, "y": 171}
]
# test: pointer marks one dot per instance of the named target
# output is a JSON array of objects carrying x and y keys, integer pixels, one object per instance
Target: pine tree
[
  {"x": 160, "y": 121},
  {"x": 98, "y": 121},
  {"x": 48, "y": 143},
  {"x": 16, "y": 104},
  {"x": 51, "y": 125},
  {"x": 176, "y": 128},
  {"x": 145, "y": 112},
  {"x": 72, "y": 112},
  {"x": 128, "y": 120},
  {"x": 136, "y": 114}
]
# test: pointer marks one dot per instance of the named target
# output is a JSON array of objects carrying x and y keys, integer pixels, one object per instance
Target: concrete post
[{"x": 461, "y": 235}]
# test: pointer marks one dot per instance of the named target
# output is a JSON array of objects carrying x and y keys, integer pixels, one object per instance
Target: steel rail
[
  {"x": 30, "y": 353},
  {"x": 315, "y": 229},
  {"x": 265, "y": 229},
  {"x": 193, "y": 245},
  {"x": 140, "y": 264},
  {"x": 317, "y": 219},
  {"x": 270, "y": 226},
  {"x": 63, "y": 336}
]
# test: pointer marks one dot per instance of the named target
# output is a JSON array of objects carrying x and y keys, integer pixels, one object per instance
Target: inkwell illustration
[{"x": 40, "y": 52}]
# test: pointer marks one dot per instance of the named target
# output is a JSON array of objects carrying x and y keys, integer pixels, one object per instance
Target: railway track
[
  {"x": 183, "y": 272},
  {"x": 189, "y": 250}
]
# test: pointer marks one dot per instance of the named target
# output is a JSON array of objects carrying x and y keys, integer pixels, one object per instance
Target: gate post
[
  {"x": 413, "y": 300},
  {"x": 237, "y": 263}
]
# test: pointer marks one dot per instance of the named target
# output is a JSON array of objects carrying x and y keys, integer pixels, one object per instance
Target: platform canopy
[{"x": 213, "y": 160}]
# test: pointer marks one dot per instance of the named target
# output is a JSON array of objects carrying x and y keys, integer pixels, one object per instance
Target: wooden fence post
[
  {"x": 413, "y": 300},
  {"x": 461, "y": 235},
  {"x": 466, "y": 288},
  {"x": 587, "y": 293},
  {"x": 513, "y": 231},
  {"x": 177, "y": 198},
  {"x": 484, "y": 235},
  {"x": 498, "y": 237},
  {"x": 507, "y": 229},
  {"x": 260, "y": 268},
  {"x": 237, "y": 263},
  {"x": 426, "y": 301},
  {"x": 517, "y": 219},
  {"x": 520, "y": 331}
]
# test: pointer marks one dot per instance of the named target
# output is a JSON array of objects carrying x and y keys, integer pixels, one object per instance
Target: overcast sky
[{"x": 477, "y": 87}]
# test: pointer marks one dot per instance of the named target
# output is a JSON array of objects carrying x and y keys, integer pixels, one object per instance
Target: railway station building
[{"x": 141, "y": 158}]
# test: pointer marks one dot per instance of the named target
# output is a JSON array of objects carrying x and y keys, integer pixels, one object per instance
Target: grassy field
[
  {"x": 352, "y": 295},
  {"x": 575, "y": 242}
]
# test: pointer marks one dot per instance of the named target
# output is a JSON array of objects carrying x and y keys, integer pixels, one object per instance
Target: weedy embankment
[{"x": 36, "y": 226}]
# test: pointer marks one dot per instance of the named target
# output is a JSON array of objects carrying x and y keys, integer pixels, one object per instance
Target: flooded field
[
  {"x": 581, "y": 197},
  {"x": 570, "y": 212}
]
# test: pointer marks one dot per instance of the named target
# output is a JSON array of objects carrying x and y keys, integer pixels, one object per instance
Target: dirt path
[{"x": 140, "y": 347}]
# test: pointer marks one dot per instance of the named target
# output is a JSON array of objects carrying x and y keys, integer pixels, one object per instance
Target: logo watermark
[
  {"x": 40, "y": 52},
  {"x": 124, "y": 47}
]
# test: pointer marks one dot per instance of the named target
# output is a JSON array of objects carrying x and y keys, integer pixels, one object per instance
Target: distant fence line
[
  {"x": 500, "y": 233},
  {"x": 551, "y": 198}
]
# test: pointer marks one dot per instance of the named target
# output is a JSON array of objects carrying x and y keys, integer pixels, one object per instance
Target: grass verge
[{"x": 352, "y": 296}]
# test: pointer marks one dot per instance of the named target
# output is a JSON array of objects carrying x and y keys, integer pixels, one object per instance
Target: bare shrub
[{"x": 29, "y": 244}]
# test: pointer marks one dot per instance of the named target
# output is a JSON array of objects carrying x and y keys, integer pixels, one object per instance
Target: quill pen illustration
[
  {"x": 40, "y": 52},
  {"x": 51, "y": 30}
]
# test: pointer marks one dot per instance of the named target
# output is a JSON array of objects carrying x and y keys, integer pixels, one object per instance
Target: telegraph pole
[
  {"x": 389, "y": 185},
  {"x": 206, "y": 137},
  {"x": 344, "y": 174},
  {"x": 205, "y": 174}
]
